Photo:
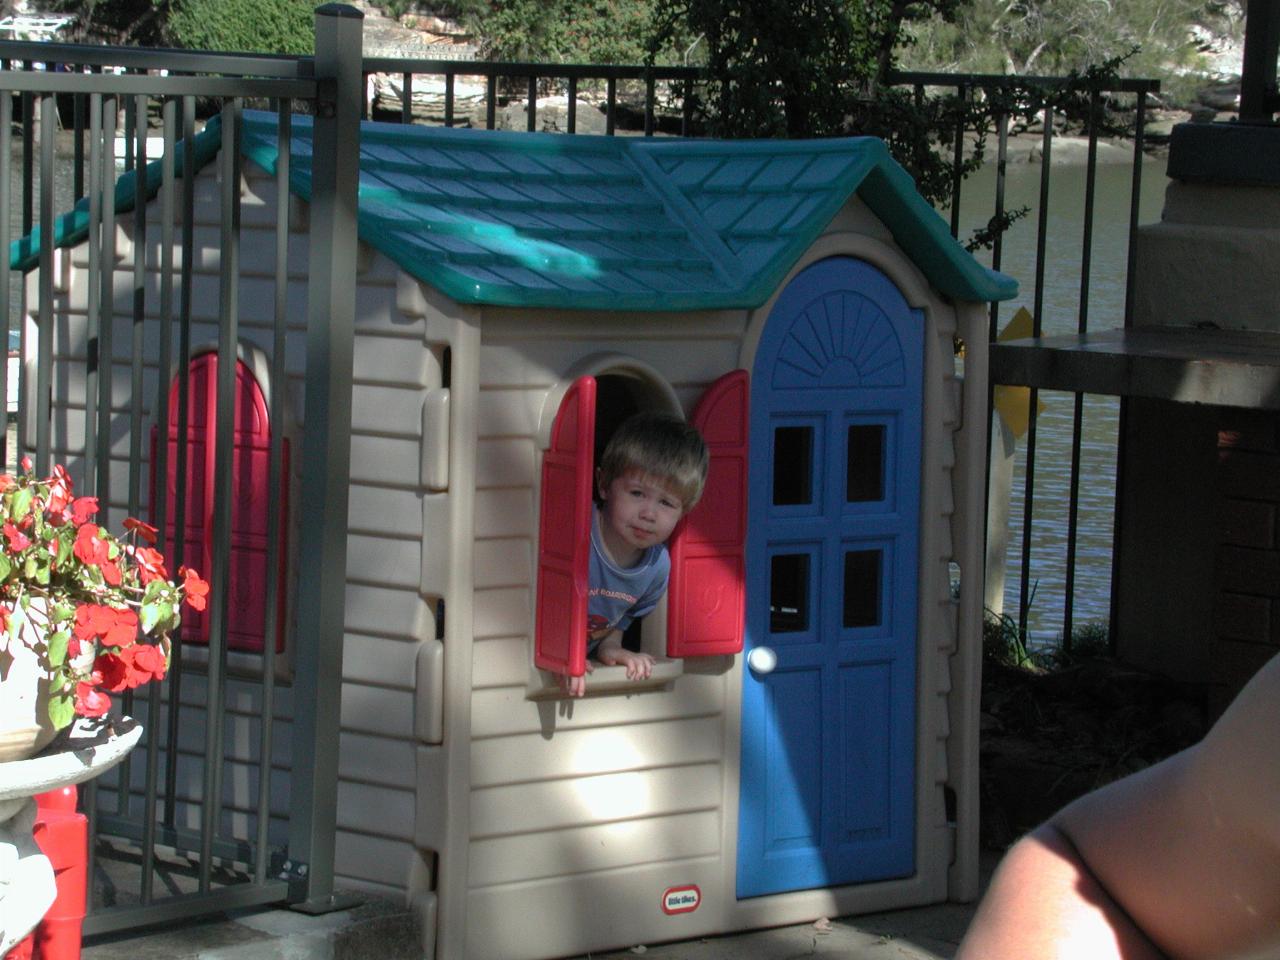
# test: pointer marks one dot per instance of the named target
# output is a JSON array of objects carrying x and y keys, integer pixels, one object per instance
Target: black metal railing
[{"x": 100, "y": 355}]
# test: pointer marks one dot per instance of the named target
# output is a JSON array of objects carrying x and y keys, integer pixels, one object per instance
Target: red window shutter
[
  {"x": 705, "y": 602},
  {"x": 564, "y": 531},
  {"x": 246, "y": 610}
]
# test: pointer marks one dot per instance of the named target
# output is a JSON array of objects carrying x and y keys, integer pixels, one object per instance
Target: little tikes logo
[{"x": 681, "y": 899}]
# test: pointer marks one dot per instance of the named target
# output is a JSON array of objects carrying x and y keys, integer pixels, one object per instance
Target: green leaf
[
  {"x": 17, "y": 620},
  {"x": 5, "y": 567},
  {"x": 154, "y": 613},
  {"x": 22, "y": 503},
  {"x": 29, "y": 569},
  {"x": 58, "y": 647},
  {"x": 62, "y": 710}
]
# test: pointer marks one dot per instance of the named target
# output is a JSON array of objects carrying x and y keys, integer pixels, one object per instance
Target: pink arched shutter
[
  {"x": 564, "y": 531},
  {"x": 246, "y": 609},
  {"x": 705, "y": 603}
]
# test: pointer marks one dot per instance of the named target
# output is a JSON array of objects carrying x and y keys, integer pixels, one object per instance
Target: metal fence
[
  {"x": 137, "y": 346},
  {"x": 95, "y": 385}
]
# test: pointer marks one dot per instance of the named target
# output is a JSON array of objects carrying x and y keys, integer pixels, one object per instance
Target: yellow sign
[{"x": 1014, "y": 403}]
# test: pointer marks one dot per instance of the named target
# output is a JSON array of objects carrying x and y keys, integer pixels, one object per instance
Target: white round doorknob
[{"x": 762, "y": 660}]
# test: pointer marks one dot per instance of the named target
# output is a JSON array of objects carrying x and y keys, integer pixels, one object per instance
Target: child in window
[{"x": 650, "y": 476}]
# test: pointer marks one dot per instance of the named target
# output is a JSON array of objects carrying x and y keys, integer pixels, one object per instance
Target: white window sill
[{"x": 610, "y": 680}]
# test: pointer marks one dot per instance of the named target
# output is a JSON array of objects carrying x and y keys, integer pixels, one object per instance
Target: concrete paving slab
[{"x": 923, "y": 933}]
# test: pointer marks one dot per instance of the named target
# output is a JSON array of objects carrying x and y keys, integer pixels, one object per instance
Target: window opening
[
  {"x": 792, "y": 465},
  {"x": 789, "y": 593},
  {"x": 864, "y": 471},
  {"x": 446, "y": 368},
  {"x": 862, "y": 588},
  {"x": 617, "y": 398}
]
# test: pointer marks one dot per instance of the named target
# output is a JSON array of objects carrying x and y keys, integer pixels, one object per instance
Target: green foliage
[
  {"x": 1005, "y": 644},
  {"x": 562, "y": 31},
  {"x": 261, "y": 26},
  {"x": 1040, "y": 37},
  {"x": 818, "y": 68}
]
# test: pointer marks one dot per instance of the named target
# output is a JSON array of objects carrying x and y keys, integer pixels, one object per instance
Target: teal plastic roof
[{"x": 614, "y": 223}]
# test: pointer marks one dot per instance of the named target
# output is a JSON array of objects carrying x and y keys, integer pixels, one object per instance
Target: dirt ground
[{"x": 1049, "y": 736}]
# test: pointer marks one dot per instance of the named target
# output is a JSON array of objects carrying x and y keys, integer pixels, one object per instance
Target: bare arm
[
  {"x": 611, "y": 652},
  {"x": 1184, "y": 856}
]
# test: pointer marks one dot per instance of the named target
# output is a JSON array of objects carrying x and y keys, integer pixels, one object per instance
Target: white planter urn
[
  {"x": 26, "y": 877},
  {"x": 25, "y": 728}
]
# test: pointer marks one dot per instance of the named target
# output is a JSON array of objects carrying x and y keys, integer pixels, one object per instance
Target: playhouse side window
[{"x": 705, "y": 592}]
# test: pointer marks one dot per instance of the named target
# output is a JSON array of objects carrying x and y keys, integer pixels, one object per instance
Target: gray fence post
[{"x": 326, "y": 456}]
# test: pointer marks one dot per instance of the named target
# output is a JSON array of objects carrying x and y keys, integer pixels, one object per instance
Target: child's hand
[
  {"x": 575, "y": 686},
  {"x": 639, "y": 665}
]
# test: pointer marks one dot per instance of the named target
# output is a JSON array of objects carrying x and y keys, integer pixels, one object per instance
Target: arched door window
[{"x": 246, "y": 611}]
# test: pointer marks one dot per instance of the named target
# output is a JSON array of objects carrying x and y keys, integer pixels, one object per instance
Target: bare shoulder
[{"x": 1191, "y": 847}]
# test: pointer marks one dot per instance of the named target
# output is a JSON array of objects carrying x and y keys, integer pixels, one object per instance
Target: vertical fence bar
[
  {"x": 448, "y": 98},
  {"x": 28, "y": 154},
  {"x": 650, "y": 91},
  {"x": 77, "y": 145},
  {"x": 139, "y": 301},
  {"x": 1135, "y": 198},
  {"x": 957, "y": 159},
  {"x": 406, "y": 98},
  {"x": 275, "y": 485},
  {"x": 1077, "y": 415},
  {"x": 491, "y": 101},
  {"x": 326, "y": 450},
  {"x": 686, "y": 110},
  {"x": 136, "y": 369},
  {"x": 573, "y": 104},
  {"x": 997, "y": 246},
  {"x": 1033, "y": 396},
  {"x": 44, "y": 344},
  {"x": 181, "y": 465},
  {"x": 97, "y": 418},
  {"x": 93, "y": 305},
  {"x": 222, "y": 481},
  {"x": 611, "y": 106},
  {"x": 106, "y": 294},
  {"x": 531, "y": 111},
  {"x": 159, "y": 475},
  {"x": 6, "y": 218}
]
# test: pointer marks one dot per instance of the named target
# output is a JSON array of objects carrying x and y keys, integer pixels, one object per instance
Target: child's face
[{"x": 638, "y": 511}]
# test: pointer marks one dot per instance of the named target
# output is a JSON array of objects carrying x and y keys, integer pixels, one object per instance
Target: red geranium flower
[
  {"x": 114, "y": 672},
  {"x": 18, "y": 541},
  {"x": 195, "y": 590},
  {"x": 91, "y": 702},
  {"x": 116, "y": 627},
  {"x": 59, "y": 491},
  {"x": 82, "y": 508},
  {"x": 145, "y": 530},
  {"x": 90, "y": 548},
  {"x": 146, "y": 664},
  {"x": 150, "y": 564}
]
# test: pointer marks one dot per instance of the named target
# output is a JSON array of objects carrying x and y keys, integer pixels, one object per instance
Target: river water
[{"x": 1062, "y": 299}]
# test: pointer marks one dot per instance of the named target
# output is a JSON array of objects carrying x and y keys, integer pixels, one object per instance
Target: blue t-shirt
[{"x": 618, "y": 595}]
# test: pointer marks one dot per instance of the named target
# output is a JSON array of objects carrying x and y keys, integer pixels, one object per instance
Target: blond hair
[{"x": 660, "y": 446}]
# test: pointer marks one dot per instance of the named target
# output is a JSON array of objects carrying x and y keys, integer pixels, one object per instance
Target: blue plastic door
[{"x": 828, "y": 734}]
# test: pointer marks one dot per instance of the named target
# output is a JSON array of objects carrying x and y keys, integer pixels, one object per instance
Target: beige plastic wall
[{"x": 561, "y": 823}]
